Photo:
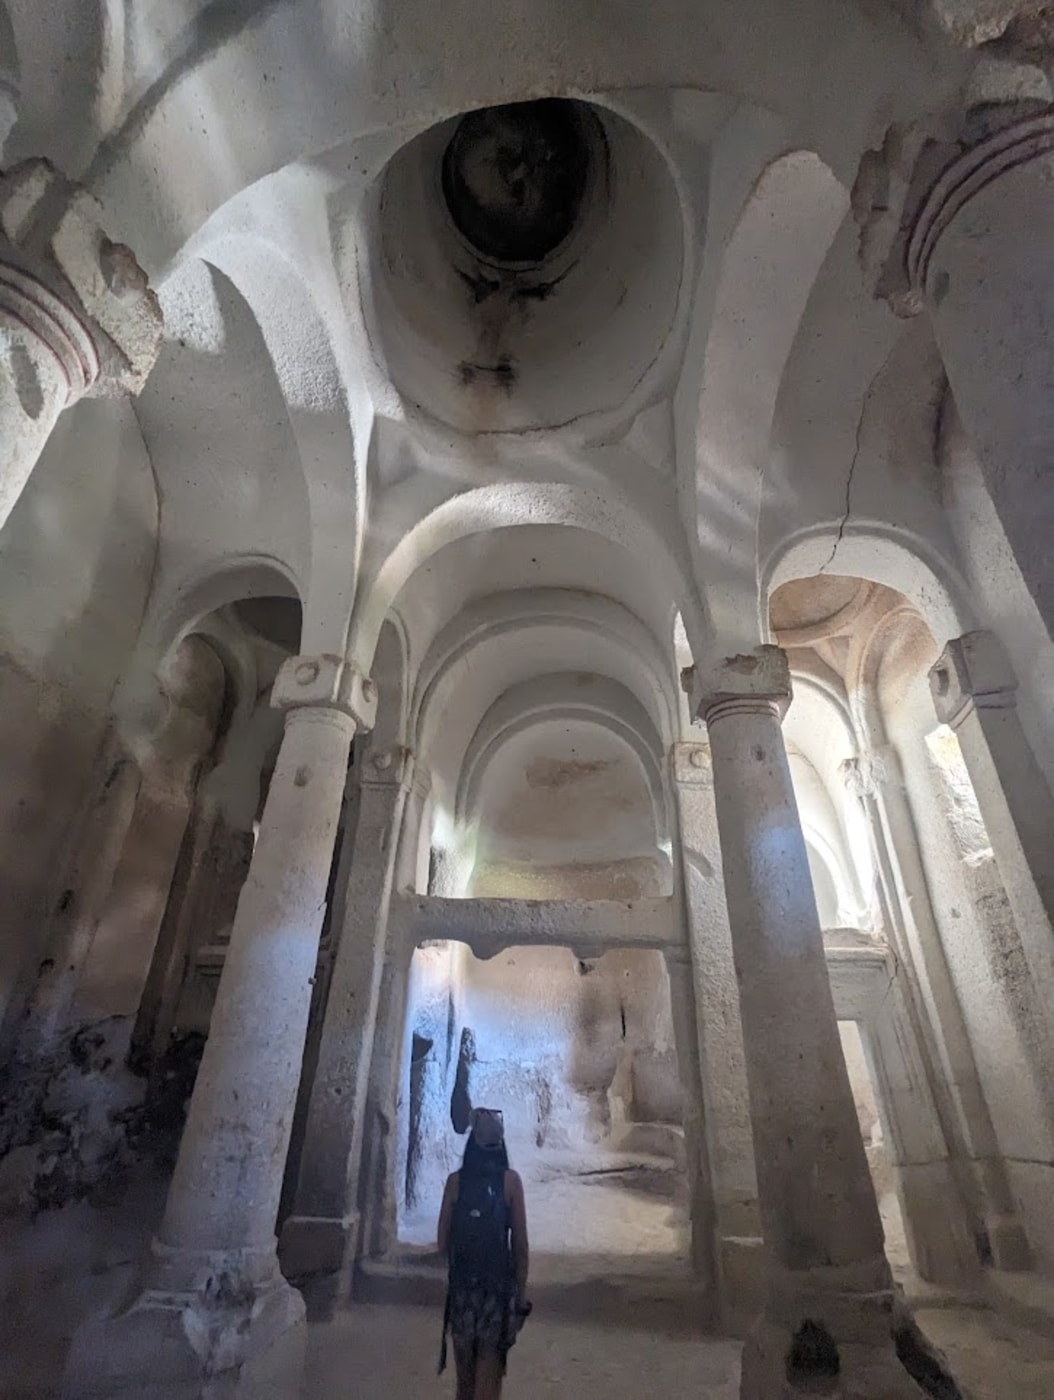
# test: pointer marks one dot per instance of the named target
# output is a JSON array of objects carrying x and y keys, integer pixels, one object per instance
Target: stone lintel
[
  {"x": 758, "y": 680},
  {"x": 691, "y": 764},
  {"x": 973, "y": 671},
  {"x": 326, "y": 682},
  {"x": 57, "y": 263},
  {"x": 588, "y": 926}
]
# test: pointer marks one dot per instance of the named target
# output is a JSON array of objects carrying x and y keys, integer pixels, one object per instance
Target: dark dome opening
[
  {"x": 275, "y": 620},
  {"x": 514, "y": 177}
]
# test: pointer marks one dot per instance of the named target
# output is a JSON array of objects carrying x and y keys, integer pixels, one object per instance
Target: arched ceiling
[
  {"x": 170, "y": 110},
  {"x": 581, "y": 644},
  {"x": 564, "y": 791},
  {"x": 217, "y": 427},
  {"x": 252, "y": 155}
]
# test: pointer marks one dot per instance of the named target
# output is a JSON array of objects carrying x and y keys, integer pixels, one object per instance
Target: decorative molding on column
[
  {"x": 82, "y": 295},
  {"x": 908, "y": 193},
  {"x": 972, "y": 672},
  {"x": 691, "y": 764},
  {"x": 965, "y": 177},
  {"x": 749, "y": 683},
  {"x": 326, "y": 682}
]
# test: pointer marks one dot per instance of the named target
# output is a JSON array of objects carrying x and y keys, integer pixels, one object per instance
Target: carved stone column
[
  {"x": 739, "y": 1263},
  {"x": 322, "y": 1233},
  {"x": 828, "y": 1313},
  {"x": 964, "y": 232},
  {"x": 378, "y": 1199},
  {"x": 973, "y": 690},
  {"x": 970, "y": 1188},
  {"x": 701, "y": 1212},
  {"x": 116, "y": 884},
  {"x": 77, "y": 316},
  {"x": 214, "y": 1307}
]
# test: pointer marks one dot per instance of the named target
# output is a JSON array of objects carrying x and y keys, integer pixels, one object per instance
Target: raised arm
[
  {"x": 446, "y": 1213},
  {"x": 518, "y": 1216}
]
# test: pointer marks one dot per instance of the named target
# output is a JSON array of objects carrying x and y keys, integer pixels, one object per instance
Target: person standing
[{"x": 483, "y": 1233}]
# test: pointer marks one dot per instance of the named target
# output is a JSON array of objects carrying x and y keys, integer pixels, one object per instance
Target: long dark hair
[{"x": 481, "y": 1161}]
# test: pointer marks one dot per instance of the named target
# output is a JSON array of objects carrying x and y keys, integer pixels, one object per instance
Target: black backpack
[{"x": 480, "y": 1251}]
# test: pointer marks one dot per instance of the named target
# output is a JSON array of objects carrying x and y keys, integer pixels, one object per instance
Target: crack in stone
[{"x": 848, "y": 487}]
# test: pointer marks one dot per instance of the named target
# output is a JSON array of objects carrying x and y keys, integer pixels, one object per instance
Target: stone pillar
[
  {"x": 940, "y": 1243},
  {"x": 967, "y": 237},
  {"x": 973, "y": 691},
  {"x": 322, "y": 1233},
  {"x": 212, "y": 868},
  {"x": 701, "y": 1214},
  {"x": 214, "y": 1308},
  {"x": 82, "y": 889},
  {"x": 739, "y": 1262},
  {"x": 378, "y": 1200},
  {"x": 76, "y": 314},
  {"x": 828, "y": 1312},
  {"x": 977, "y": 1188},
  {"x": 170, "y": 757}
]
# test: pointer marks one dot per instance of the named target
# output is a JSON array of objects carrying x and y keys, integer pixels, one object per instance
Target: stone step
[{"x": 676, "y": 1305}]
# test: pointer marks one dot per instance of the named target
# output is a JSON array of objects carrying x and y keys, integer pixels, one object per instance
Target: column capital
[
  {"x": 870, "y": 770},
  {"x": 691, "y": 763},
  {"x": 83, "y": 295},
  {"x": 972, "y": 672},
  {"x": 755, "y": 682},
  {"x": 326, "y": 682},
  {"x": 971, "y": 23},
  {"x": 908, "y": 193},
  {"x": 390, "y": 768}
]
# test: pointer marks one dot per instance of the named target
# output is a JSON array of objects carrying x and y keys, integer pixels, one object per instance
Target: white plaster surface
[{"x": 703, "y": 401}]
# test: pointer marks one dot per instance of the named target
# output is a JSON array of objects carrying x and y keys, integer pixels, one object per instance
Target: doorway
[{"x": 579, "y": 1055}]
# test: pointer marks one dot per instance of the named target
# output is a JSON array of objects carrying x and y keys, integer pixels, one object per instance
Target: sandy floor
[
  {"x": 74, "y": 1261},
  {"x": 386, "y": 1353},
  {"x": 383, "y": 1353},
  {"x": 628, "y": 1210}
]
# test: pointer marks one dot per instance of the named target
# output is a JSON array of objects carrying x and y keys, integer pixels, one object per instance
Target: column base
[
  {"x": 827, "y": 1333},
  {"x": 742, "y": 1269},
  {"x": 1011, "y": 1251},
  {"x": 236, "y": 1337},
  {"x": 940, "y": 1243},
  {"x": 318, "y": 1244}
]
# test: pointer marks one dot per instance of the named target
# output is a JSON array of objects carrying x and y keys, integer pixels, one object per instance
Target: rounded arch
[
  {"x": 882, "y": 555},
  {"x": 331, "y": 75},
  {"x": 768, "y": 267},
  {"x": 313, "y": 368},
  {"x": 508, "y": 506},
  {"x": 559, "y": 696},
  {"x": 391, "y": 675},
  {"x": 208, "y": 590},
  {"x": 645, "y": 670}
]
